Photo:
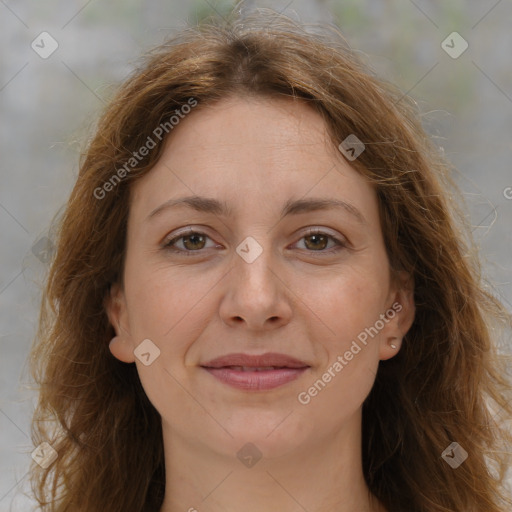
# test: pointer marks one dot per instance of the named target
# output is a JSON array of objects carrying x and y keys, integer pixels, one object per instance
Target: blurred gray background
[{"x": 48, "y": 104}]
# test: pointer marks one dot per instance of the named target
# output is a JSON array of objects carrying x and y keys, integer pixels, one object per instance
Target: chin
[{"x": 274, "y": 434}]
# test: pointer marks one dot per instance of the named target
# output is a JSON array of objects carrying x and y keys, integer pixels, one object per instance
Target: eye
[
  {"x": 318, "y": 240},
  {"x": 194, "y": 241}
]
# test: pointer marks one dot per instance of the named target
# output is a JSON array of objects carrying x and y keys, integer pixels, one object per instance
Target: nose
[{"x": 256, "y": 295}]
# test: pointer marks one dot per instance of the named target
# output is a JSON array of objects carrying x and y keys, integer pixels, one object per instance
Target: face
[{"x": 274, "y": 271}]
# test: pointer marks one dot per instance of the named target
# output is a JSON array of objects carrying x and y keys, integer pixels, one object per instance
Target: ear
[
  {"x": 400, "y": 314},
  {"x": 115, "y": 304}
]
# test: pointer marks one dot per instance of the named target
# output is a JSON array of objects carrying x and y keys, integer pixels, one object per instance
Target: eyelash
[{"x": 170, "y": 243}]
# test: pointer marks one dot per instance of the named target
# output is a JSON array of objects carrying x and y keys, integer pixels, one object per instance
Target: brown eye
[
  {"x": 317, "y": 241},
  {"x": 192, "y": 241},
  {"x": 195, "y": 241}
]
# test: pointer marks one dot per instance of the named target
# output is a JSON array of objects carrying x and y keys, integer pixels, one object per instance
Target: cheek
[
  {"x": 163, "y": 300},
  {"x": 346, "y": 302},
  {"x": 349, "y": 308},
  {"x": 334, "y": 396},
  {"x": 166, "y": 306}
]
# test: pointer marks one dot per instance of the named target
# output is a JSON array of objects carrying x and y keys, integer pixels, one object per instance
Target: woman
[{"x": 262, "y": 299}]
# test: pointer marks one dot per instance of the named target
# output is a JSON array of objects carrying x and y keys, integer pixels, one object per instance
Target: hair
[{"x": 449, "y": 382}]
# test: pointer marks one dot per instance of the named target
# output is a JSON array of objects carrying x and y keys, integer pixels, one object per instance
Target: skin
[{"x": 298, "y": 298}]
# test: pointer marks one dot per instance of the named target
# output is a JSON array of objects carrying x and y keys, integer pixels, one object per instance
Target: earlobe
[
  {"x": 121, "y": 350},
  {"x": 390, "y": 348}
]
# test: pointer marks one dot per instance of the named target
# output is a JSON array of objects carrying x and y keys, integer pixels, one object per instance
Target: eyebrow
[{"x": 291, "y": 207}]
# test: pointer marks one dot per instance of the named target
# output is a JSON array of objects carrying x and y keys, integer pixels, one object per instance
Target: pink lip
[
  {"x": 286, "y": 369},
  {"x": 256, "y": 380}
]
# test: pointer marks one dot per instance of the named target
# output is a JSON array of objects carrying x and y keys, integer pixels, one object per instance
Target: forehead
[
  {"x": 276, "y": 121},
  {"x": 249, "y": 151}
]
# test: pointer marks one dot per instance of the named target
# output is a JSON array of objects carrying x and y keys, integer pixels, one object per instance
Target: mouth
[
  {"x": 255, "y": 373},
  {"x": 256, "y": 369},
  {"x": 255, "y": 379}
]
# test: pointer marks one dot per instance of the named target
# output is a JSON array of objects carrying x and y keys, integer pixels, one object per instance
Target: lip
[
  {"x": 254, "y": 377},
  {"x": 255, "y": 361},
  {"x": 256, "y": 380}
]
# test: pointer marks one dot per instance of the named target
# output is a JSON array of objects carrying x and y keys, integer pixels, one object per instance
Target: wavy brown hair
[{"x": 448, "y": 382}]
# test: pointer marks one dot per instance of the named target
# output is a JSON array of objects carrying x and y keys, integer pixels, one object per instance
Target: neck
[{"x": 323, "y": 476}]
